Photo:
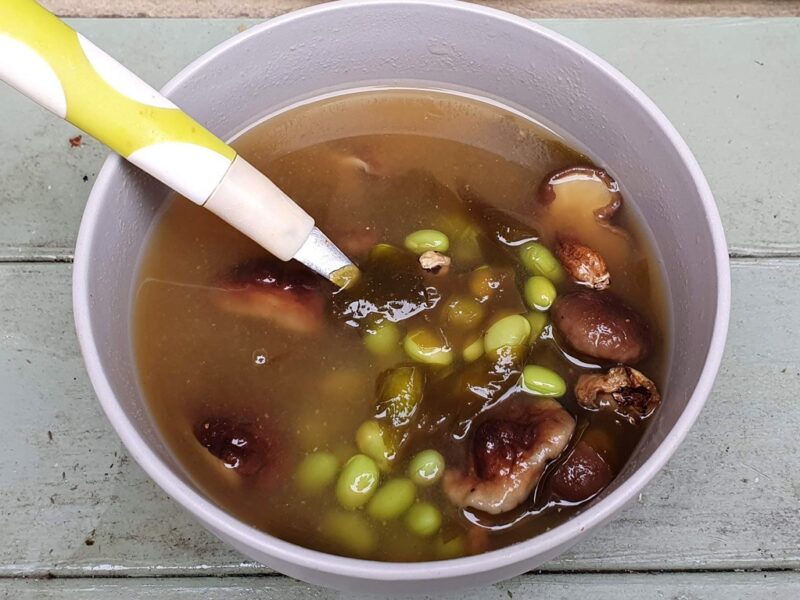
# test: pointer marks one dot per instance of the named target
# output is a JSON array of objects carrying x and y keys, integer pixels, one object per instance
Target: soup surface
[{"x": 479, "y": 410}]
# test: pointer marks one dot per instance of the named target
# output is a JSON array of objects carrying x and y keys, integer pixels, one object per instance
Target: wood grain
[
  {"x": 525, "y": 8},
  {"x": 729, "y": 85},
  {"x": 72, "y": 503}
]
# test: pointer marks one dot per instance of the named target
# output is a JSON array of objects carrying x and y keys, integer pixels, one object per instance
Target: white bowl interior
[{"x": 444, "y": 45}]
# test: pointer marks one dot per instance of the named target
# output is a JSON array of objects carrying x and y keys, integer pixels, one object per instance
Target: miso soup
[{"x": 486, "y": 378}]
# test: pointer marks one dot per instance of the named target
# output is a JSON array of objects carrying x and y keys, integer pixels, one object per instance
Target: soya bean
[
  {"x": 538, "y": 321},
  {"x": 465, "y": 239},
  {"x": 384, "y": 251},
  {"x": 423, "y": 519},
  {"x": 370, "y": 441},
  {"x": 423, "y": 240},
  {"x": 466, "y": 251},
  {"x": 538, "y": 260},
  {"x": 429, "y": 347},
  {"x": 426, "y": 468},
  {"x": 357, "y": 482},
  {"x": 351, "y": 530},
  {"x": 316, "y": 472},
  {"x": 392, "y": 499},
  {"x": 342, "y": 451},
  {"x": 464, "y": 312},
  {"x": 513, "y": 330},
  {"x": 484, "y": 281},
  {"x": 346, "y": 384},
  {"x": 473, "y": 351},
  {"x": 382, "y": 339},
  {"x": 452, "y": 548},
  {"x": 540, "y": 293},
  {"x": 541, "y": 381}
]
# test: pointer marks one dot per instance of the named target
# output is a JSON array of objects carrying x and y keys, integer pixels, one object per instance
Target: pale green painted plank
[
  {"x": 731, "y": 88},
  {"x": 677, "y": 586},
  {"x": 538, "y": 9},
  {"x": 728, "y": 499},
  {"x": 729, "y": 85},
  {"x": 42, "y": 189}
]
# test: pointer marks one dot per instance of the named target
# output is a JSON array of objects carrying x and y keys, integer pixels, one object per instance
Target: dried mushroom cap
[
  {"x": 600, "y": 325},
  {"x": 582, "y": 202},
  {"x": 509, "y": 456},
  {"x": 435, "y": 262},
  {"x": 577, "y": 189},
  {"x": 624, "y": 390},
  {"x": 583, "y": 475},
  {"x": 238, "y": 445},
  {"x": 286, "y": 294},
  {"x": 585, "y": 265}
]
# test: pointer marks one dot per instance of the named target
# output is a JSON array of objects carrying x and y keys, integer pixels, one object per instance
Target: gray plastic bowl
[{"x": 434, "y": 44}]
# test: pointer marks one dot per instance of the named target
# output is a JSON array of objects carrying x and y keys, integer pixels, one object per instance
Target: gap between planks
[
  {"x": 731, "y": 586},
  {"x": 89, "y": 574}
]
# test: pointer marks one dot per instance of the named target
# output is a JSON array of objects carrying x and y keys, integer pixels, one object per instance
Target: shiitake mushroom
[
  {"x": 624, "y": 390},
  {"x": 286, "y": 294},
  {"x": 600, "y": 325},
  {"x": 583, "y": 475},
  {"x": 581, "y": 204},
  {"x": 239, "y": 445},
  {"x": 509, "y": 453}
]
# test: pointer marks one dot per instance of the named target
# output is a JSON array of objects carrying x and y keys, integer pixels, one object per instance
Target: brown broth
[{"x": 420, "y": 149}]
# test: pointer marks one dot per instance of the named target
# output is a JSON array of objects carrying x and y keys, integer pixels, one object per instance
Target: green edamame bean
[
  {"x": 541, "y": 381},
  {"x": 357, "y": 482},
  {"x": 423, "y": 240},
  {"x": 316, "y": 472},
  {"x": 540, "y": 293},
  {"x": 351, "y": 530},
  {"x": 370, "y": 441},
  {"x": 512, "y": 330},
  {"x": 464, "y": 312},
  {"x": 382, "y": 339},
  {"x": 540, "y": 261},
  {"x": 426, "y": 468},
  {"x": 429, "y": 347},
  {"x": 473, "y": 351},
  {"x": 423, "y": 519},
  {"x": 392, "y": 499},
  {"x": 538, "y": 321}
]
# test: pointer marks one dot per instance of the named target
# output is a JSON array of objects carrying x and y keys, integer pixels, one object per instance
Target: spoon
[{"x": 45, "y": 59}]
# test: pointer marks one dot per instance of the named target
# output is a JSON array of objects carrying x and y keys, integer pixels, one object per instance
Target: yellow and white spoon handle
[{"x": 48, "y": 61}]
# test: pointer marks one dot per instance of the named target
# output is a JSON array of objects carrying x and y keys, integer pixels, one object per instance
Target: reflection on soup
[{"x": 488, "y": 376}]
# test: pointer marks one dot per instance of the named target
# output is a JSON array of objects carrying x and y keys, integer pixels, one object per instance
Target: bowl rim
[{"x": 562, "y": 535}]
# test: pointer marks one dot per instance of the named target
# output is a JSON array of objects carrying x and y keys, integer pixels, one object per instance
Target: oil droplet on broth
[{"x": 260, "y": 357}]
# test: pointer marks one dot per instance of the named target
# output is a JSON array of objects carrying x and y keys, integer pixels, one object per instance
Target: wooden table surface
[{"x": 79, "y": 519}]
